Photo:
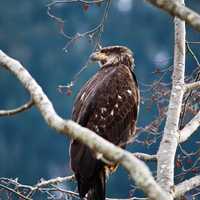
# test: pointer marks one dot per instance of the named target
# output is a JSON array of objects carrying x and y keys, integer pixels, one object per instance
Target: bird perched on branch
[{"x": 108, "y": 105}]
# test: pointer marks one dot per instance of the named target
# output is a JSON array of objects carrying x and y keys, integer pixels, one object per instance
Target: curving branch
[
  {"x": 138, "y": 171},
  {"x": 187, "y": 185},
  {"x": 175, "y": 8},
  {"x": 15, "y": 111}
]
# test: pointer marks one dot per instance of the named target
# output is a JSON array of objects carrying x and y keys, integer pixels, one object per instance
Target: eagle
[{"x": 107, "y": 104}]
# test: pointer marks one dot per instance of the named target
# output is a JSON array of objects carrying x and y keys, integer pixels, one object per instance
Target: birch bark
[{"x": 168, "y": 146}]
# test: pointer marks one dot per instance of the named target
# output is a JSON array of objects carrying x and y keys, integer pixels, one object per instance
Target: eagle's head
[{"x": 113, "y": 55}]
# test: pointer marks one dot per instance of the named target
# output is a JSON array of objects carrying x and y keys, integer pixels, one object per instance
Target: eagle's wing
[{"x": 108, "y": 104}]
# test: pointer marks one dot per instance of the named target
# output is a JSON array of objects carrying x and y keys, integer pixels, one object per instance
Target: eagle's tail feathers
[{"x": 97, "y": 191}]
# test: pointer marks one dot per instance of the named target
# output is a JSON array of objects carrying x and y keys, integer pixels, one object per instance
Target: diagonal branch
[
  {"x": 175, "y": 8},
  {"x": 137, "y": 169},
  {"x": 15, "y": 111},
  {"x": 56, "y": 181},
  {"x": 187, "y": 185},
  {"x": 189, "y": 128},
  {"x": 14, "y": 192},
  {"x": 145, "y": 157}
]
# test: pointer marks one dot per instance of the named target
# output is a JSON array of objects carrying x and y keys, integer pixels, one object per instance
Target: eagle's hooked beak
[{"x": 98, "y": 56}]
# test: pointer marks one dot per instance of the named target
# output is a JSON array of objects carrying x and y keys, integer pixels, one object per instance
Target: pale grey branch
[
  {"x": 192, "y": 86},
  {"x": 56, "y": 181},
  {"x": 187, "y": 185},
  {"x": 145, "y": 157},
  {"x": 176, "y": 8},
  {"x": 168, "y": 146},
  {"x": 189, "y": 128}
]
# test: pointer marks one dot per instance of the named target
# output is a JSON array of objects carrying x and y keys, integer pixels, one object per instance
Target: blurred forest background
[{"x": 29, "y": 149}]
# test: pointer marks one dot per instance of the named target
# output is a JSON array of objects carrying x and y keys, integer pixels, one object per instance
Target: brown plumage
[{"x": 108, "y": 105}]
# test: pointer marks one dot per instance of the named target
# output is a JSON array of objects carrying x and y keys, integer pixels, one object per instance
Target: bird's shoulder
[{"x": 110, "y": 95}]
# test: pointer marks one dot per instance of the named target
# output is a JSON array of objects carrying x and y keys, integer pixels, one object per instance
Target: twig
[
  {"x": 20, "y": 109},
  {"x": 91, "y": 34},
  {"x": 71, "y": 1},
  {"x": 190, "y": 92},
  {"x": 55, "y": 189},
  {"x": 96, "y": 32},
  {"x": 56, "y": 181},
  {"x": 14, "y": 192}
]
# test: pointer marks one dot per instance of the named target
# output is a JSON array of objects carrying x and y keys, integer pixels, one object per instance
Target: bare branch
[
  {"x": 192, "y": 86},
  {"x": 186, "y": 89},
  {"x": 13, "y": 184},
  {"x": 50, "y": 186},
  {"x": 189, "y": 128},
  {"x": 145, "y": 157},
  {"x": 93, "y": 35},
  {"x": 14, "y": 192},
  {"x": 187, "y": 185},
  {"x": 168, "y": 146},
  {"x": 55, "y": 181},
  {"x": 71, "y": 1},
  {"x": 136, "y": 168},
  {"x": 20, "y": 109},
  {"x": 175, "y": 8}
]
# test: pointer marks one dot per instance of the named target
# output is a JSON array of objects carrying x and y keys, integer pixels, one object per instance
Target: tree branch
[
  {"x": 192, "y": 86},
  {"x": 136, "y": 168},
  {"x": 56, "y": 181},
  {"x": 20, "y": 109},
  {"x": 168, "y": 146},
  {"x": 72, "y": 1},
  {"x": 189, "y": 128},
  {"x": 145, "y": 157},
  {"x": 175, "y": 8},
  {"x": 14, "y": 192},
  {"x": 186, "y": 186}
]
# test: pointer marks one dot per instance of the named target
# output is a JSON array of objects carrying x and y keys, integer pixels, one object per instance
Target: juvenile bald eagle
[{"x": 108, "y": 105}]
